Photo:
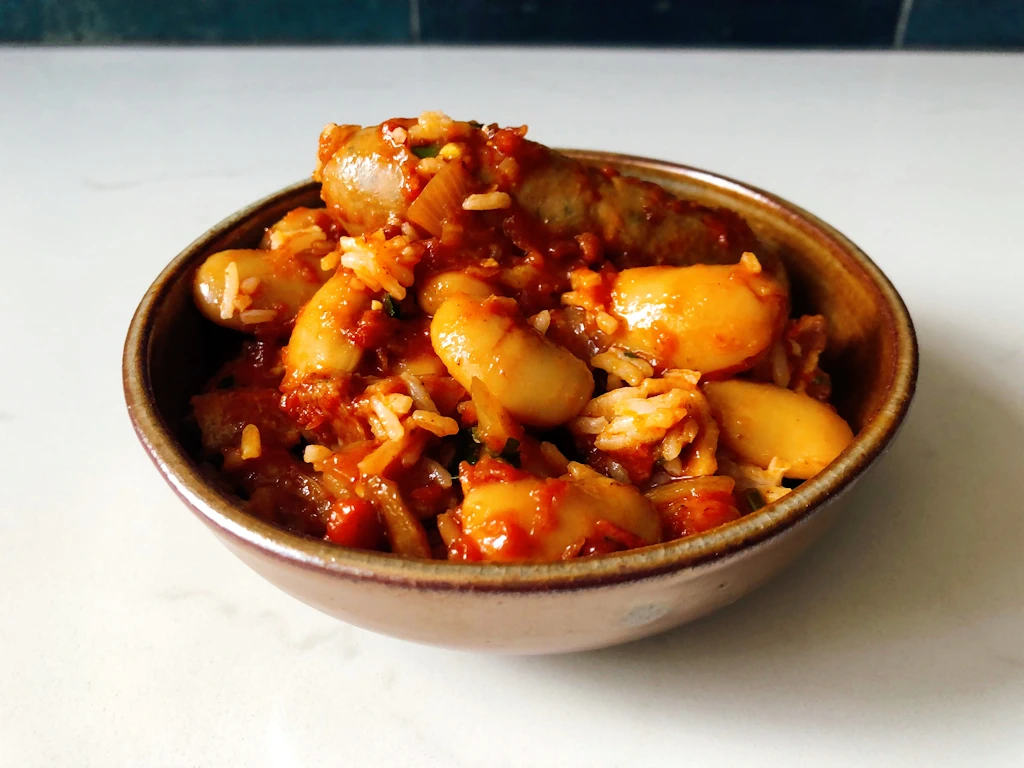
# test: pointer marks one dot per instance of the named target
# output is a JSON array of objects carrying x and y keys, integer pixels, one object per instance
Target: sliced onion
[
  {"x": 696, "y": 486},
  {"x": 405, "y": 532},
  {"x": 440, "y": 198}
]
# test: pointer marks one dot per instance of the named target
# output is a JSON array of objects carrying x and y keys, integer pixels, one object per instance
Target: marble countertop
[{"x": 130, "y": 637}]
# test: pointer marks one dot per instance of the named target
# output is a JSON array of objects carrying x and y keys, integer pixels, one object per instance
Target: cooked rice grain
[
  {"x": 251, "y": 447},
  {"x": 257, "y": 316},
  {"x": 616, "y": 361},
  {"x": 418, "y": 392},
  {"x": 227, "y": 302},
  {"x": 313, "y": 454},
  {"x": 606, "y": 322},
  {"x": 382, "y": 265},
  {"x": 389, "y": 422},
  {"x": 487, "y": 201},
  {"x": 330, "y": 261},
  {"x": 435, "y": 423}
]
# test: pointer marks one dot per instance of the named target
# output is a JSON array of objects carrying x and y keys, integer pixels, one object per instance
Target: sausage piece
[{"x": 369, "y": 178}]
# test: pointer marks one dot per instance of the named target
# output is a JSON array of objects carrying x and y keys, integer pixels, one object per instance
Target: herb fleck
[{"x": 391, "y": 306}]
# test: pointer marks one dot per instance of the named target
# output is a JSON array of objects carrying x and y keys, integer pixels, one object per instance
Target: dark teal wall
[{"x": 786, "y": 23}]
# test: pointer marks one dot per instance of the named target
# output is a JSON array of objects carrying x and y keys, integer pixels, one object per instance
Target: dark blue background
[{"x": 780, "y": 23}]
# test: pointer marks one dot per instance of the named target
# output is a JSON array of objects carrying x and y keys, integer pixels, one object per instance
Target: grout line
[
  {"x": 902, "y": 22},
  {"x": 414, "y": 21}
]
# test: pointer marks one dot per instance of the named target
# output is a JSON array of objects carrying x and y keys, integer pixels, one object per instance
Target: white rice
[
  {"x": 252, "y": 447},
  {"x": 313, "y": 454},
  {"x": 418, "y": 392},
  {"x": 487, "y": 201},
  {"x": 435, "y": 423},
  {"x": 382, "y": 265},
  {"x": 257, "y": 316},
  {"x": 666, "y": 410},
  {"x": 618, "y": 362},
  {"x": 391, "y": 426},
  {"x": 227, "y": 302}
]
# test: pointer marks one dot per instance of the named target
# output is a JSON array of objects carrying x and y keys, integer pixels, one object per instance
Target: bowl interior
[{"x": 871, "y": 354}]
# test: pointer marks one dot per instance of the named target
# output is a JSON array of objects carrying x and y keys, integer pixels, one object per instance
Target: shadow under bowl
[{"x": 171, "y": 351}]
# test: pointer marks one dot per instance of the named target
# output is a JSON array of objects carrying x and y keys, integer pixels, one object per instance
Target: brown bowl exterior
[{"x": 556, "y": 607}]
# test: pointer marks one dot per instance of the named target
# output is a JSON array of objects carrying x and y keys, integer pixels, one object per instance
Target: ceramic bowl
[{"x": 542, "y": 608}]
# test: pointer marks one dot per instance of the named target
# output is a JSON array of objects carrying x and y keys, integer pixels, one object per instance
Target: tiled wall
[{"x": 788, "y": 23}]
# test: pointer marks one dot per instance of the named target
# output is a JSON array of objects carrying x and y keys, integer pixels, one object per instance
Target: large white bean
[
  {"x": 535, "y": 519},
  {"x": 285, "y": 283},
  {"x": 534, "y": 379},
  {"x": 320, "y": 342},
  {"x": 440, "y": 287},
  {"x": 760, "y": 422},
  {"x": 715, "y": 319}
]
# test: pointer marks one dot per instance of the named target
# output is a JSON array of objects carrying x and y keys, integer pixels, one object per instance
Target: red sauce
[
  {"x": 547, "y": 500},
  {"x": 505, "y": 540},
  {"x": 508, "y": 141},
  {"x": 607, "y": 538},
  {"x": 488, "y": 470},
  {"x": 355, "y": 523},
  {"x": 465, "y": 549},
  {"x": 526, "y": 253},
  {"x": 313, "y": 402},
  {"x": 374, "y": 328},
  {"x": 344, "y": 464},
  {"x": 699, "y": 513},
  {"x": 638, "y": 463}
]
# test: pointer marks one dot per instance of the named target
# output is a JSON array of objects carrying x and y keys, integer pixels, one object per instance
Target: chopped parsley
[
  {"x": 427, "y": 150},
  {"x": 391, "y": 306}
]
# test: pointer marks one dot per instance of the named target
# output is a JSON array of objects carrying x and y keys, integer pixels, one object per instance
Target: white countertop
[{"x": 130, "y": 637}]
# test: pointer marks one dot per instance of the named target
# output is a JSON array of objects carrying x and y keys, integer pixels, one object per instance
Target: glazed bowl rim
[{"x": 220, "y": 511}]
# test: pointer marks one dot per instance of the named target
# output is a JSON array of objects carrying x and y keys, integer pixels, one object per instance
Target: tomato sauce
[{"x": 546, "y": 237}]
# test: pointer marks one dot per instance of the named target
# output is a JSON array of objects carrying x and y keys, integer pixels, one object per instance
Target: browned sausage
[{"x": 369, "y": 178}]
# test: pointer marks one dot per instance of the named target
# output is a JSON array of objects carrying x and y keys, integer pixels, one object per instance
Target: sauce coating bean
[
  {"x": 716, "y": 319},
  {"x": 321, "y": 342},
  {"x": 535, "y": 519},
  {"x": 537, "y": 381},
  {"x": 283, "y": 284}
]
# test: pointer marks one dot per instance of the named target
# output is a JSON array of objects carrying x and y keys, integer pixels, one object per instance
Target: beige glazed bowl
[{"x": 542, "y": 608}]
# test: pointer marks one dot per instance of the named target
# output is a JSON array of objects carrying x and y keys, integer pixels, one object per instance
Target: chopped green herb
[
  {"x": 474, "y": 435},
  {"x": 753, "y": 499},
  {"x": 631, "y": 355},
  {"x": 427, "y": 150},
  {"x": 391, "y": 306},
  {"x": 227, "y": 382}
]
